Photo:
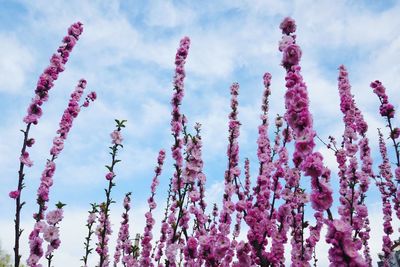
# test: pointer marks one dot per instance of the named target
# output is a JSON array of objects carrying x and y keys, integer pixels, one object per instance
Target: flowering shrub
[{"x": 274, "y": 209}]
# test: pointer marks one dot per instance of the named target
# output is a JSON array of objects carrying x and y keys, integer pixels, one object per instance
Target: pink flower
[
  {"x": 40, "y": 226},
  {"x": 116, "y": 137},
  {"x": 397, "y": 174},
  {"x": 92, "y": 218},
  {"x": 32, "y": 260},
  {"x": 110, "y": 176},
  {"x": 26, "y": 160},
  {"x": 322, "y": 199},
  {"x": 194, "y": 196},
  {"x": 395, "y": 133},
  {"x": 313, "y": 165},
  {"x": 285, "y": 42},
  {"x": 51, "y": 233},
  {"x": 387, "y": 110},
  {"x": 75, "y": 29},
  {"x": 92, "y": 96},
  {"x": 171, "y": 251},
  {"x": 34, "y": 113},
  {"x": 30, "y": 142},
  {"x": 14, "y": 194},
  {"x": 192, "y": 243},
  {"x": 291, "y": 55},
  {"x": 288, "y": 26},
  {"x": 55, "y": 216}
]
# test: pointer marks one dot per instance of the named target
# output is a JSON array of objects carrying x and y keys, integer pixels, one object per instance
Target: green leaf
[{"x": 60, "y": 205}]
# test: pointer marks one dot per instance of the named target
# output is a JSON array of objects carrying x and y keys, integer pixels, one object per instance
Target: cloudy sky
[{"x": 126, "y": 53}]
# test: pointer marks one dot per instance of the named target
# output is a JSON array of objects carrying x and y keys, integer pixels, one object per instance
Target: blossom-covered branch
[
  {"x": 34, "y": 112},
  {"x": 103, "y": 230}
]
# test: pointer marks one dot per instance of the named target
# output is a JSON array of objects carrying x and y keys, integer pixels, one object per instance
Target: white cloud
[
  {"x": 16, "y": 61},
  {"x": 166, "y": 14}
]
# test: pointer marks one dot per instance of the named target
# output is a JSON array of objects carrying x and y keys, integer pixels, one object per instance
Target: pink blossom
[
  {"x": 116, "y": 137},
  {"x": 387, "y": 110},
  {"x": 288, "y": 26},
  {"x": 26, "y": 160},
  {"x": 313, "y": 165},
  {"x": 30, "y": 142},
  {"x": 291, "y": 55},
  {"x": 51, "y": 233},
  {"x": 76, "y": 29},
  {"x": 55, "y": 216},
  {"x": 110, "y": 176},
  {"x": 395, "y": 133},
  {"x": 92, "y": 218},
  {"x": 322, "y": 199},
  {"x": 285, "y": 42},
  {"x": 92, "y": 96},
  {"x": 397, "y": 174},
  {"x": 14, "y": 194}
]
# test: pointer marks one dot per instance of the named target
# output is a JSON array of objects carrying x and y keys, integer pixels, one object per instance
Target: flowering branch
[
  {"x": 147, "y": 235},
  {"x": 104, "y": 228},
  {"x": 89, "y": 224},
  {"x": 46, "y": 181},
  {"x": 45, "y": 83},
  {"x": 178, "y": 190},
  {"x": 299, "y": 119}
]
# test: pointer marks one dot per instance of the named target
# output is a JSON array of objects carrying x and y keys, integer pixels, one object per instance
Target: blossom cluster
[
  {"x": 145, "y": 259},
  {"x": 49, "y": 230},
  {"x": 124, "y": 244},
  {"x": 50, "y": 74},
  {"x": 178, "y": 187}
]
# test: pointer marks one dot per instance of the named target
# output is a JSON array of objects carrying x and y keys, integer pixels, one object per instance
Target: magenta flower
[
  {"x": 110, "y": 176},
  {"x": 14, "y": 194},
  {"x": 26, "y": 160},
  {"x": 397, "y": 173},
  {"x": 92, "y": 96},
  {"x": 285, "y": 42},
  {"x": 288, "y": 26},
  {"x": 344, "y": 251},
  {"x": 291, "y": 55},
  {"x": 322, "y": 200},
  {"x": 387, "y": 110},
  {"x": 395, "y": 133}
]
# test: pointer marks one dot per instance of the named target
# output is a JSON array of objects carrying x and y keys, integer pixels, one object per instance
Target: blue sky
[{"x": 126, "y": 53}]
